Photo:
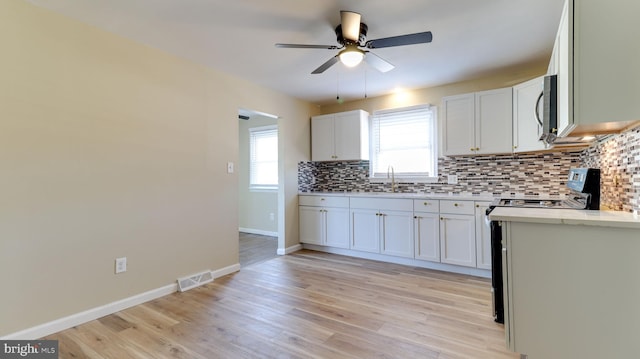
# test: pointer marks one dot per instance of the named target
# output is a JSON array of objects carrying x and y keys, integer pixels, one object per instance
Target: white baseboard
[
  {"x": 57, "y": 325},
  {"x": 258, "y": 231},
  {"x": 289, "y": 250},
  {"x": 73, "y": 320},
  {"x": 226, "y": 270}
]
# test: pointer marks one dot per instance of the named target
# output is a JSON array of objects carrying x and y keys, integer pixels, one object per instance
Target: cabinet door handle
[
  {"x": 477, "y": 206},
  {"x": 472, "y": 149},
  {"x": 442, "y": 218}
]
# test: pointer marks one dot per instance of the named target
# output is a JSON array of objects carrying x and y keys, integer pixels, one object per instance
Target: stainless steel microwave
[{"x": 549, "y": 97}]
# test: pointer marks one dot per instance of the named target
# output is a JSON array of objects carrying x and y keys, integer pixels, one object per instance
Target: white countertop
[
  {"x": 567, "y": 216},
  {"x": 459, "y": 196}
]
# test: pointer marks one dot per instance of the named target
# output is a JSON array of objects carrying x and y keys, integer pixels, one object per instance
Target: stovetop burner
[
  {"x": 532, "y": 203},
  {"x": 583, "y": 183}
]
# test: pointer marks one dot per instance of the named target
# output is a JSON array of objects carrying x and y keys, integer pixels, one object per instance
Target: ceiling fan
[{"x": 351, "y": 35}]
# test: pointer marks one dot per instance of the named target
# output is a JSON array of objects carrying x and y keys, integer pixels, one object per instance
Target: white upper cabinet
[
  {"x": 478, "y": 123},
  {"x": 340, "y": 137},
  {"x": 526, "y": 129},
  {"x": 596, "y": 58},
  {"x": 458, "y": 125},
  {"x": 494, "y": 117}
]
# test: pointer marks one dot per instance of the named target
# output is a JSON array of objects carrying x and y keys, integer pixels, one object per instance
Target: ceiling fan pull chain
[{"x": 365, "y": 82}]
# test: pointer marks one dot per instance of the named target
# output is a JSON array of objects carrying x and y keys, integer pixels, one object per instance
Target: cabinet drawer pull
[
  {"x": 455, "y": 204},
  {"x": 426, "y": 203}
]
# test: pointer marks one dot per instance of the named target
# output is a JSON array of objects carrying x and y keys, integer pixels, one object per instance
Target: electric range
[{"x": 584, "y": 187}]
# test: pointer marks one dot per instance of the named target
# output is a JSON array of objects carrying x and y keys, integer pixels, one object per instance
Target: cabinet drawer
[
  {"x": 426, "y": 205},
  {"x": 390, "y": 204},
  {"x": 323, "y": 201},
  {"x": 457, "y": 207}
]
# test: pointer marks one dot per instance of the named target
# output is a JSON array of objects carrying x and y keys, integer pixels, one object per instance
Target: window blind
[
  {"x": 263, "y": 161},
  {"x": 404, "y": 139}
]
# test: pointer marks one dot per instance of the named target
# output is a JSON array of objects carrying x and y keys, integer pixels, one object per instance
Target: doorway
[{"x": 258, "y": 189}]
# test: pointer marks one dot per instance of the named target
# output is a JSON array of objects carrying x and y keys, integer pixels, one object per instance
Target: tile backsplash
[
  {"x": 619, "y": 161},
  {"x": 525, "y": 174},
  {"x": 520, "y": 174}
]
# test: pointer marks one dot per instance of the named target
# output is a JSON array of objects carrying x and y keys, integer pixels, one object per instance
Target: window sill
[
  {"x": 404, "y": 180},
  {"x": 263, "y": 189}
]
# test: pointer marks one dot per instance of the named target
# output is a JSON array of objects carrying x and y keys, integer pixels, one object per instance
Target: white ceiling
[{"x": 471, "y": 38}]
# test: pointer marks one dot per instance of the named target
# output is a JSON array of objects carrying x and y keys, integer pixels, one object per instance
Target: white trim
[
  {"x": 263, "y": 188},
  {"x": 60, "y": 324},
  {"x": 403, "y": 180},
  {"x": 226, "y": 270},
  {"x": 63, "y": 323},
  {"x": 289, "y": 250},
  {"x": 258, "y": 231}
]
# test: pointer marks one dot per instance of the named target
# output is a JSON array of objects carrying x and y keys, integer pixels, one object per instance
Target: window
[
  {"x": 263, "y": 158},
  {"x": 404, "y": 139}
]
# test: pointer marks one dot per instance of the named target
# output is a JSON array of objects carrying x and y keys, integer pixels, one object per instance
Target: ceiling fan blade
[
  {"x": 409, "y": 39},
  {"x": 350, "y": 25},
  {"x": 332, "y": 61},
  {"x": 377, "y": 62},
  {"x": 303, "y": 46}
]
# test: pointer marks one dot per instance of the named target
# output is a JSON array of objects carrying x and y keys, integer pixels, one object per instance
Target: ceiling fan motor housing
[{"x": 361, "y": 40}]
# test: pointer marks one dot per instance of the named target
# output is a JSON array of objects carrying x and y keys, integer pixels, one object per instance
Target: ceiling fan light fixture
[{"x": 351, "y": 56}]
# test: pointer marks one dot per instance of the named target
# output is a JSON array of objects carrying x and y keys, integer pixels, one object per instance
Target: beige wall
[
  {"x": 109, "y": 148},
  {"x": 503, "y": 78},
  {"x": 255, "y": 207}
]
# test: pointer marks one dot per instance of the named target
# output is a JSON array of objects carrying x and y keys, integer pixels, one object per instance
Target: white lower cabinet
[
  {"x": 396, "y": 228},
  {"x": 365, "y": 230},
  {"x": 324, "y": 221},
  {"x": 439, "y": 231},
  {"x": 483, "y": 236},
  {"x": 457, "y": 233},
  {"x": 427, "y": 229},
  {"x": 382, "y": 225}
]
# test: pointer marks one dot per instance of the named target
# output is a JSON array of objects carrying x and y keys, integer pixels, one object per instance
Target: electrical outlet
[
  {"x": 229, "y": 167},
  {"x": 121, "y": 265},
  {"x": 452, "y": 179},
  {"x": 272, "y": 216}
]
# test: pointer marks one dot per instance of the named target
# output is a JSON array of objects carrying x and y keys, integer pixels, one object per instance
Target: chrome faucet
[{"x": 393, "y": 178}]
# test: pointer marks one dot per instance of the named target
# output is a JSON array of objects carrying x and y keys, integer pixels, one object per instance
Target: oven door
[{"x": 496, "y": 272}]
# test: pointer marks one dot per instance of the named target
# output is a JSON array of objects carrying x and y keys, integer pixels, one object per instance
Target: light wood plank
[{"x": 305, "y": 305}]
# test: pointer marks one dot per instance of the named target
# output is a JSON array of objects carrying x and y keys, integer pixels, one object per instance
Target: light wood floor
[
  {"x": 305, "y": 305},
  {"x": 256, "y": 248}
]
